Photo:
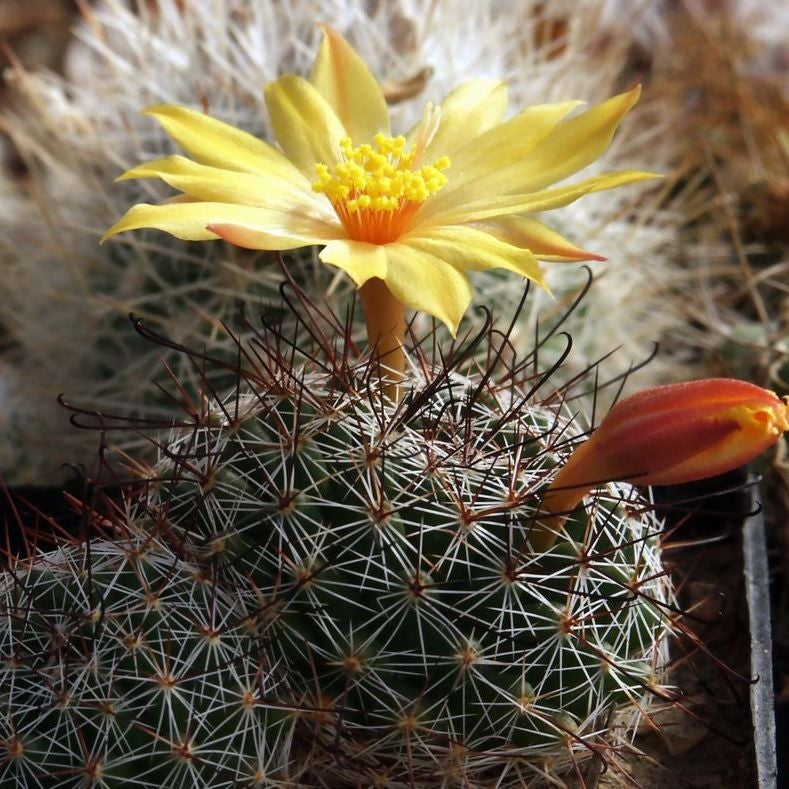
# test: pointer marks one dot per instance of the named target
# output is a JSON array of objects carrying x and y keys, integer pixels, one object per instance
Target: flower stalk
[
  {"x": 666, "y": 435},
  {"x": 385, "y": 319}
]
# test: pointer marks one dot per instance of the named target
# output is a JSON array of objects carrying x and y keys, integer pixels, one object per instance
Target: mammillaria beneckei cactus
[
  {"x": 320, "y": 587},
  {"x": 119, "y": 659},
  {"x": 397, "y": 589}
]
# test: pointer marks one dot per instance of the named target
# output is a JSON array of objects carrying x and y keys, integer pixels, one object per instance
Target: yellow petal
[
  {"x": 427, "y": 283},
  {"x": 467, "y": 112},
  {"x": 191, "y": 221},
  {"x": 230, "y": 186},
  {"x": 482, "y": 157},
  {"x": 572, "y": 146},
  {"x": 258, "y": 237},
  {"x": 305, "y": 125},
  {"x": 471, "y": 249},
  {"x": 528, "y": 233},
  {"x": 218, "y": 144},
  {"x": 421, "y": 135},
  {"x": 472, "y": 210},
  {"x": 359, "y": 260},
  {"x": 344, "y": 80}
]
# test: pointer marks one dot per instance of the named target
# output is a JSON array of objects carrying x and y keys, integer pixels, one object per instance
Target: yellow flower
[{"x": 405, "y": 216}]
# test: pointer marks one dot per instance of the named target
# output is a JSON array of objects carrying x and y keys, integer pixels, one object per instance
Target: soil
[{"x": 708, "y": 744}]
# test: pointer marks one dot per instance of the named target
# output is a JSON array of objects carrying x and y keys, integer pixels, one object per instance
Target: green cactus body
[
  {"x": 124, "y": 666},
  {"x": 388, "y": 552},
  {"x": 317, "y": 588}
]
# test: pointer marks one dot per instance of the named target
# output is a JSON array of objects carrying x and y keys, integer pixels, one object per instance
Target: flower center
[{"x": 375, "y": 190}]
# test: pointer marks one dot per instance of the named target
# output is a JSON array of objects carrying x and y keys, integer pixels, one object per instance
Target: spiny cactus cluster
[
  {"x": 123, "y": 665},
  {"x": 314, "y": 587}
]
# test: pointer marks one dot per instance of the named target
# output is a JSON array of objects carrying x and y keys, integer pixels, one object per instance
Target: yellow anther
[
  {"x": 374, "y": 189},
  {"x": 378, "y": 177}
]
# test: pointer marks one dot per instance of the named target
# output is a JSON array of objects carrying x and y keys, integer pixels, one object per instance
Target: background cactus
[
  {"x": 359, "y": 575},
  {"x": 125, "y": 666}
]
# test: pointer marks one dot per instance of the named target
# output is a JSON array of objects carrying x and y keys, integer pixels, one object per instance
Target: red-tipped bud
[{"x": 668, "y": 435}]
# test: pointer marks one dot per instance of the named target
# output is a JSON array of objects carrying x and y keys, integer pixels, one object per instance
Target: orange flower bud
[{"x": 665, "y": 436}]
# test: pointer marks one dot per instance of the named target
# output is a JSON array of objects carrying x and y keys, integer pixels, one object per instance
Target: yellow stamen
[
  {"x": 375, "y": 190},
  {"x": 767, "y": 420}
]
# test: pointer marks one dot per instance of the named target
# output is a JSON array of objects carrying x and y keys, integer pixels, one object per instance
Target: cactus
[
  {"x": 125, "y": 666},
  {"x": 362, "y": 570}
]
